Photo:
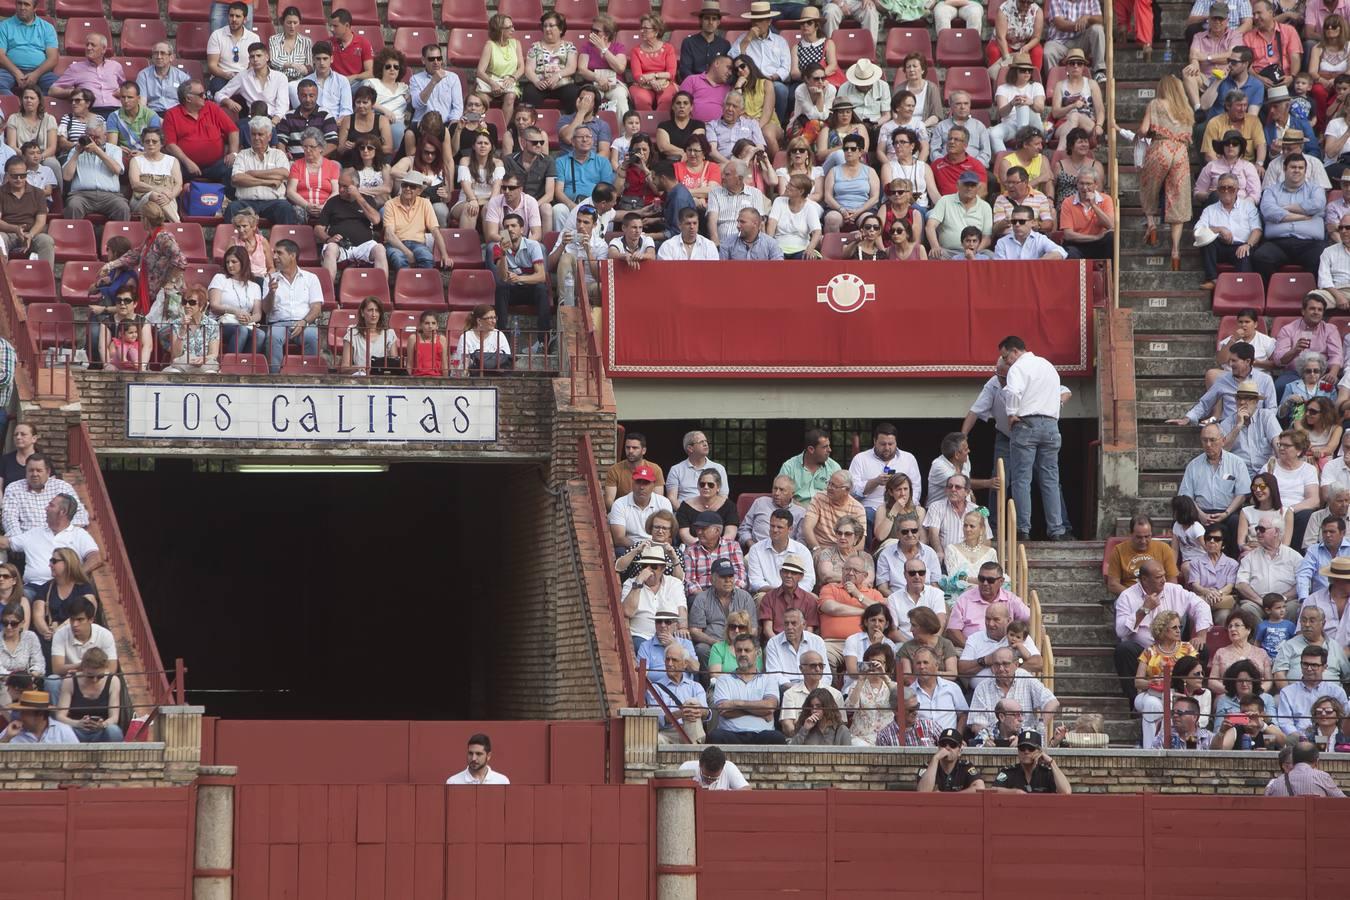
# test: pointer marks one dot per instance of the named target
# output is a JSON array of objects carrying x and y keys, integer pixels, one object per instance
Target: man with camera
[
  {"x": 347, "y": 230},
  {"x": 23, "y": 215},
  {"x": 94, "y": 169},
  {"x": 1248, "y": 730}
]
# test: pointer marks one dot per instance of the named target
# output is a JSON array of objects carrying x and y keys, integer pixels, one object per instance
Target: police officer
[
  {"x": 947, "y": 772},
  {"x": 1035, "y": 773}
]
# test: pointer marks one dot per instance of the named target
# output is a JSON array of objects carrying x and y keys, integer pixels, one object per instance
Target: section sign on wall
[{"x": 311, "y": 412}]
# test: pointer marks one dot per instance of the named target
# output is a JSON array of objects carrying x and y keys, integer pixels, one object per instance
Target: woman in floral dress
[{"x": 1167, "y": 165}]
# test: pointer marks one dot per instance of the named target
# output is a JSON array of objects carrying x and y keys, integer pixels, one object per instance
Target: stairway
[{"x": 1067, "y": 578}]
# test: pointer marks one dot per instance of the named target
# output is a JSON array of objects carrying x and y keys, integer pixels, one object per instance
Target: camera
[{"x": 85, "y": 140}]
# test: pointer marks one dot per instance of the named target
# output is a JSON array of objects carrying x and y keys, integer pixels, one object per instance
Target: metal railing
[
  {"x": 586, "y": 366},
  {"x": 114, "y": 554},
  {"x": 623, "y": 643}
]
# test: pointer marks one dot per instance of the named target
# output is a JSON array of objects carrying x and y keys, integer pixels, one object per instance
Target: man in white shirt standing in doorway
[
  {"x": 1031, "y": 398},
  {"x": 478, "y": 772}
]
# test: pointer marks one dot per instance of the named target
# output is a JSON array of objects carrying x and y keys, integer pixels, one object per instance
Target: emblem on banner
[{"x": 846, "y": 293}]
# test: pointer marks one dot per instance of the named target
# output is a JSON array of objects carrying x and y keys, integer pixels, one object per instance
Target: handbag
[
  {"x": 1275, "y": 71},
  {"x": 205, "y": 199},
  {"x": 493, "y": 360}
]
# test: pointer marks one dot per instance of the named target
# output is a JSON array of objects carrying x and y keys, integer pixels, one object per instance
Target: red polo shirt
[
  {"x": 946, "y": 172},
  {"x": 351, "y": 59},
  {"x": 202, "y": 139}
]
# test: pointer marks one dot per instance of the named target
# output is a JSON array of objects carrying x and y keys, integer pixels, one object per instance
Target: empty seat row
[{"x": 1234, "y": 291}]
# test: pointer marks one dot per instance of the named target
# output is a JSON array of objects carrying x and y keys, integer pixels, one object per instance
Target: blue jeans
[
  {"x": 423, "y": 258},
  {"x": 1034, "y": 449},
  {"x": 220, "y": 13},
  {"x": 236, "y": 339},
  {"x": 108, "y": 734},
  {"x": 278, "y": 337},
  {"x": 7, "y": 82},
  {"x": 52, "y": 683},
  {"x": 782, "y": 101}
]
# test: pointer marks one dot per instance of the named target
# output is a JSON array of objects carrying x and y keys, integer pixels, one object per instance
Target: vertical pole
[
  {"x": 1167, "y": 704},
  {"x": 213, "y": 850},
  {"x": 179, "y": 685},
  {"x": 676, "y": 839}
]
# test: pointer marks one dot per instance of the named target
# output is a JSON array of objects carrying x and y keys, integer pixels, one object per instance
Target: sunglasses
[
  {"x": 1020, "y": 221},
  {"x": 845, "y": 533},
  {"x": 909, "y": 531},
  {"x": 916, "y": 571},
  {"x": 12, "y": 623},
  {"x": 897, "y": 193},
  {"x": 990, "y": 579},
  {"x": 1211, "y": 538},
  {"x": 871, "y": 228},
  {"x": 434, "y": 58}
]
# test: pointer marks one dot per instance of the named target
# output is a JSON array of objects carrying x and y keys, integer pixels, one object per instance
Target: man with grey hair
[
  {"x": 209, "y": 137},
  {"x": 1338, "y": 506},
  {"x": 682, "y": 480},
  {"x": 1038, "y": 703},
  {"x": 917, "y": 730},
  {"x": 37, "y": 544},
  {"x": 1088, "y": 218},
  {"x": 794, "y": 698},
  {"x": 95, "y": 73},
  {"x": 843, "y": 602},
  {"x": 159, "y": 81},
  {"x": 756, "y": 523},
  {"x": 1235, "y": 225},
  {"x": 978, "y": 143},
  {"x": 733, "y": 126},
  {"x": 259, "y": 176},
  {"x": 945, "y": 517},
  {"x": 827, "y": 508},
  {"x": 577, "y": 173},
  {"x": 94, "y": 169},
  {"x": 726, "y": 200},
  {"x": 348, "y": 230},
  {"x": 682, "y": 695},
  {"x": 1270, "y": 568}
]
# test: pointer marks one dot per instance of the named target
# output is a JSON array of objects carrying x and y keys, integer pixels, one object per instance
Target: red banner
[{"x": 829, "y": 318}]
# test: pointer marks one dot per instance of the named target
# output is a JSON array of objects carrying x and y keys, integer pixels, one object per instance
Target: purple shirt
[
  {"x": 104, "y": 81},
  {"x": 592, "y": 53},
  {"x": 707, "y": 96},
  {"x": 1213, "y": 575},
  {"x": 1325, "y": 339},
  {"x": 967, "y": 615}
]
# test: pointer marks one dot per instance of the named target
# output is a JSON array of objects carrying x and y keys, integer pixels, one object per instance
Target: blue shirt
[
  {"x": 654, "y": 652},
  {"x": 27, "y": 45},
  {"x": 1254, "y": 89},
  {"x": 1310, "y": 145},
  {"x": 1270, "y": 635},
  {"x": 1225, "y": 387},
  {"x": 1309, "y": 196},
  {"x": 579, "y": 177},
  {"x": 1309, "y": 580},
  {"x": 732, "y": 687},
  {"x": 1254, "y": 443},
  {"x": 1294, "y": 704},
  {"x": 1214, "y": 487},
  {"x": 160, "y": 94},
  {"x": 764, "y": 247},
  {"x": 522, "y": 262},
  {"x": 686, "y": 690},
  {"x": 676, "y": 199},
  {"x": 1035, "y": 246}
]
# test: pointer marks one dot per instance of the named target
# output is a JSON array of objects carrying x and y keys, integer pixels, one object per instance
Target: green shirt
[
  {"x": 721, "y": 654},
  {"x": 806, "y": 485}
]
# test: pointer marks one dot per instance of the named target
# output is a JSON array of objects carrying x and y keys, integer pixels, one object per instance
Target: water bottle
[{"x": 1167, "y": 51}]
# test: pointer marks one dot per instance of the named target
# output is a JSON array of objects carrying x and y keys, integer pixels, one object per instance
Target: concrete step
[
  {"x": 1174, "y": 390},
  {"x": 1159, "y": 258},
  {"x": 1160, "y": 524},
  {"x": 1080, "y": 593},
  {"x": 1159, "y": 508},
  {"x": 1173, "y": 342},
  {"x": 1157, "y": 280},
  {"x": 1132, "y": 98},
  {"x": 1168, "y": 436},
  {"x": 1040, "y": 552},
  {"x": 1188, "y": 299},
  {"x": 1164, "y": 321},
  {"x": 1085, "y": 612},
  {"x": 1061, "y": 571},
  {"x": 1100, "y": 634},
  {"x": 1172, "y": 367},
  {"x": 1161, "y": 410},
  {"x": 1120, "y": 725},
  {"x": 1152, "y": 459},
  {"x": 1158, "y": 485}
]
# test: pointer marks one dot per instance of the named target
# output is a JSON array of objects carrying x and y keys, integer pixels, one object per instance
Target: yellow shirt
[{"x": 415, "y": 224}]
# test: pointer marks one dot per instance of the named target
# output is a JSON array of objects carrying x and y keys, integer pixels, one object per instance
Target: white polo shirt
[
  {"x": 466, "y": 778},
  {"x": 634, "y": 518},
  {"x": 867, "y": 465},
  {"x": 64, "y": 643},
  {"x": 980, "y": 644},
  {"x": 37, "y": 545},
  {"x": 729, "y": 779}
]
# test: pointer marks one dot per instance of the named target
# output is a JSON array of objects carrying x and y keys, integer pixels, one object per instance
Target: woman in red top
[
  {"x": 653, "y": 67},
  {"x": 313, "y": 179}
]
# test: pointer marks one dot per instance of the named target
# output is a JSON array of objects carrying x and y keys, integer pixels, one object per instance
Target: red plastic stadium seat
[
  {"x": 465, "y": 248},
  {"x": 525, "y": 12},
  {"x": 404, "y": 324},
  {"x": 200, "y": 273},
  {"x": 363, "y": 13},
  {"x": 358, "y": 284},
  {"x": 189, "y": 10},
  {"x": 52, "y": 324},
  {"x": 78, "y": 29},
  {"x": 303, "y": 235},
  {"x": 77, "y": 278},
  {"x": 325, "y": 284},
  {"x": 470, "y": 287},
  {"x": 463, "y": 46},
  {"x": 9, "y": 105},
  {"x": 194, "y": 68},
  {"x": 243, "y": 364},
  {"x": 132, "y": 231},
  {"x": 410, "y": 40},
  {"x": 66, "y": 9},
  {"x": 732, "y": 10},
  {"x": 832, "y": 245},
  {"x": 901, "y": 42},
  {"x": 1110, "y": 547},
  {"x": 579, "y": 13},
  {"x": 403, "y": 13},
  {"x": 74, "y": 239},
  {"x": 974, "y": 81},
  {"x": 680, "y": 14},
  {"x": 465, "y": 14},
  {"x": 32, "y": 280},
  {"x": 744, "y": 502},
  {"x": 1216, "y": 638},
  {"x": 131, "y": 65},
  {"x": 1234, "y": 291},
  {"x": 1285, "y": 295},
  {"x": 419, "y": 289},
  {"x": 455, "y": 324},
  {"x": 959, "y": 47},
  {"x": 221, "y": 241},
  {"x": 139, "y": 35},
  {"x": 853, "y": 44},
  {"x": 374, "y": 34},
  {"x": 304, "y": 365},
  {"x": 547, "y": 120},
  {"x": 629, "y": 13},
  {"x": 190, "y": 40},
  {"x": 339, "y": 322},
  {"x": 191, "y": 239}
]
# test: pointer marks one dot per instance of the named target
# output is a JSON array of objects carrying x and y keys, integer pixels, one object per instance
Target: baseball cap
[
  {"x": 968, "y": 177},
  {"x": 644, "y": 473},
  {"x": 1028, "y": 738},
  {"x": 706, "y": 518},
  {"x": 723, "y": 567},
  {"x": 950, "y": 736}
]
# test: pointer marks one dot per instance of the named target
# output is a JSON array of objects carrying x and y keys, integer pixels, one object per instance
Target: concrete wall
[{"x": 171, "y": 759}]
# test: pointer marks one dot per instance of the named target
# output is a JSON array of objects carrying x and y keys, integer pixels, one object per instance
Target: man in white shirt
[
  {"x": 783, "y": 652},
  {"x": 227, "y": 47},
  {"x": 1333, "y": 270},
  {"x": 1232, "y": 229},
  {"x": 726, "y": 200},
  {"x": 37, "y": 544},
  {"x": 293, "y": 303},
  {"x": 632, "y": 246},
  {"x": 712, "y": 771},
  {"x": 73, "y": 639},
  {"x": 980, "y": 646},
  {"x": 871, "y": 469},
  {"x": 1032, "y": 400},
  {"x": 682, "y": 480},
  {"x": 478, "y": 772},
  {"x": 628, "y": 516},
  {"x": 794, "y": 698},
  {"x": 1270, "y": 568},
  {"x": 765, "y": 558},
  {"x": 915, "y": 592},
  {"x": 257, "y": 83},
  {"x": 688, "y": 244}
]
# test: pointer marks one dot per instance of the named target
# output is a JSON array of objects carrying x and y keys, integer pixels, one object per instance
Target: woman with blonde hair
[
  {"x": 963, "y": 560},
  {"x": 721, "y": 658},
  {"x": 1149, "y": 678},
  {"x": 800, "y": 162},
  {"x": 501, "y": 64},
  {"x": 1167, "y": 164},
  {"x": 250, "y": 238},
  {"x": 52, "y": 605},
  {"x": 11, "y": 591}
]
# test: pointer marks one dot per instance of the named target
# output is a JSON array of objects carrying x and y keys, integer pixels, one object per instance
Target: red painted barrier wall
[
  {"x": 368, "y": 752},
  {"x": 97, "y": 844},
  {"x": 830, "y": 845},
  {"x": 431, "y": 842}
]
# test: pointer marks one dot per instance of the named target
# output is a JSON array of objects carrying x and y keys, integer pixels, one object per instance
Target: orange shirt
[
  {"x": 840, "y": 628},
  {"x": 1074, "y": 216}
]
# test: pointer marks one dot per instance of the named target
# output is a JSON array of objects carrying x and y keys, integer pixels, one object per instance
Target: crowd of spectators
[{"x": 605, "y": 149}]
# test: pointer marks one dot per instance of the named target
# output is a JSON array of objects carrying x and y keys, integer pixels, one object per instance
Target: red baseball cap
[{"x": 644, "y": 473}]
